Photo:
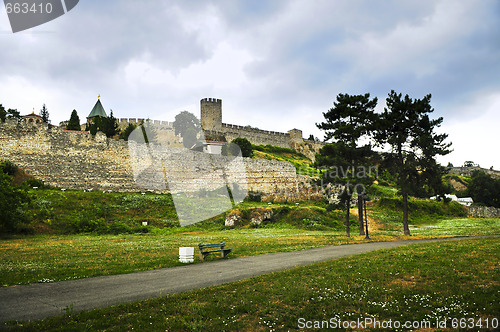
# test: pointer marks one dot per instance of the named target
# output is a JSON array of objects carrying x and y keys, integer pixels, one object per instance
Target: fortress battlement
[
  {"x": 211, "y": 121},
  {"x": 254, "y": 130},
  {"x": 79, "y": 160},
  {"x": 123, "y": 122},
  {"x": 211, "y": 100}
]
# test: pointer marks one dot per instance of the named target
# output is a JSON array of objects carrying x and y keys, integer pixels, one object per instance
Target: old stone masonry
[{"x": 78, "y": 160}]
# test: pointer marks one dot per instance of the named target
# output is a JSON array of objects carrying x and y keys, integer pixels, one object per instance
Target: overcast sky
[{"x": 276, "y": 65}]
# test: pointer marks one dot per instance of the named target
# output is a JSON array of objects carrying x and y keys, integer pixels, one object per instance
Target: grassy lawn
[
  {"x": 49, "y": 258},
  {"x": 55, "y": 258},
  {"x": 428, "y": 282}
]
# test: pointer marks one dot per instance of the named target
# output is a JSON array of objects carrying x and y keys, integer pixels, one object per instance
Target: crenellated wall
[
  {"x": 123, "y": 122},
  {"x": 211, "y": 120},
  {"x": 467, "y": 171},
  {"x": 78, "y": 160}
]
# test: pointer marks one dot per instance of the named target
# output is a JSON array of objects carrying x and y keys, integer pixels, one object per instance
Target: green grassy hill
[{"x": 301, "y": 162}]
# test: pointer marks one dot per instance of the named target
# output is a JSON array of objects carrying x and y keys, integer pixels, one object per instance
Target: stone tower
[{"x": 211, "y": 113}]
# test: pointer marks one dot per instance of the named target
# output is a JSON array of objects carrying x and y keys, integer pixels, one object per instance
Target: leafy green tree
[
  {"x": 12, "y": 200},
  {"x": 242, "y": 144},
  {"x": 406, "y": 127},
  {"x": 127, "y": 131},
  {"x": 350, "y": 119},
  {"x": 74, "y": 121},
  {"x": 188, "y": 126},
  {"x": 44, "y": 113},
  {"x": 184, "y": 121},
  {"x": 470, "y": 163},
  {"x": 484, "y": 189},
  {"x": 13, "y": 114}
]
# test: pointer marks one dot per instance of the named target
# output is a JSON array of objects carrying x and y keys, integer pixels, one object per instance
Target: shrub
[
  {"x": 244, "y": 145},
  {"x": 12, "y": 202},
  {"x": 8, "y": 167},
  {"x": 253, "y": 197},
  {"x": 32, "y": 182}
]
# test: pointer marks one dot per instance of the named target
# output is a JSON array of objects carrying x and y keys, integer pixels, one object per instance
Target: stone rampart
[
  {"x": 256, "y": 136},
  {"x": 467, "y": 171},
  {"x": 483, "y": 212},
  {"x": 124, "y": 122},
  {"x": 76, "y": 160}
]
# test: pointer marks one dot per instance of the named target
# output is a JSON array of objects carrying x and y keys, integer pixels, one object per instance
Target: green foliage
[
  {"x": 110, "y": 125},
  {"x": 187, "y": 125},
  {"x": 277, "y": 149},
  {"x": 406, "y": 127},
  {"x": 13, "y": 204},
  {"x": 8, "y": 167},
  {"x": 484, "y": 189},
  {"x": 127, "y": 131},
  {"x": 32, "y": 182},
  {"x": 74, "y": 121},
  {"x": 242, "y": 144},
  {"x": 3, "y": 113},
  {"x": 422, "y": 211},
  {"x": 349, "y": 119},
  {"x": 107, "y": 125},
  {"x": 253, "y": 197},
  {"x": 8, "y": 114}
]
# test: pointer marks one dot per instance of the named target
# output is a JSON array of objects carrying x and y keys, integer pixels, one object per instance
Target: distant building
[
  {"x": 467, "y": 201},
  {"x": 213, "y": 147},
  {"x": 32, "y": 118},
  {"x": 98, "y": 110}
]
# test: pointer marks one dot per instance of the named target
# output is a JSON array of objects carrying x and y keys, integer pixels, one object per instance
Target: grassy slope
[
  {"x": 422, "y": 282},
  {"x": 301, "y": 162},
  {"x": 47, "y": 258}
]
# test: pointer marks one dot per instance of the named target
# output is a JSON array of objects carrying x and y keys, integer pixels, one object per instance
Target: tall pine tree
[
  {"x": 349, "y": 120},
  {"x": 406, "y": 127},
  {"x": 44, "y": 113}
]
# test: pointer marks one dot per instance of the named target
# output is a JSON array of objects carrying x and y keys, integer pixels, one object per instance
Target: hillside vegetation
[{"x": 300, "y": 161}]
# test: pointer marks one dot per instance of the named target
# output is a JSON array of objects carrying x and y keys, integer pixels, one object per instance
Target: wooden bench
[{"x": 204, "y": 252}]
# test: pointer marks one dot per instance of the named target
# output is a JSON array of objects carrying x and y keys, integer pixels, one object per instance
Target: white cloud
[
  {"x": 475, "y": 137},
  {"x": 276, "y": 65}
]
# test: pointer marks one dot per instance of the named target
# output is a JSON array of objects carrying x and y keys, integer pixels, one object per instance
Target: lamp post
[{"x": 367, "y": 237}]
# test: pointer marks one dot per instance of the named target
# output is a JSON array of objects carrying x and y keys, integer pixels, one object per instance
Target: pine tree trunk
[{"x": 360, "y": 215}]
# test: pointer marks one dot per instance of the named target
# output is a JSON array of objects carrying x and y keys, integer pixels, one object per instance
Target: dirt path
[{"x": 374, "y": 225}]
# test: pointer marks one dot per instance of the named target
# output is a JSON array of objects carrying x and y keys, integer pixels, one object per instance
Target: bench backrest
[{"x": 211, "y": 245}]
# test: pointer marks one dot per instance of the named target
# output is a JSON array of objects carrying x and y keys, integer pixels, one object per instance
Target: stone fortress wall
[
  {"x": 467, "y": 171},
  {"x": 78, "y": 160},
  {"x": 123, "y": 122},
  {"x": 211, "y": 121}
]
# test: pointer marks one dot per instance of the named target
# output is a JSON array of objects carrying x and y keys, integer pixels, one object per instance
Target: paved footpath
[{"x": 42, "y": 300}]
